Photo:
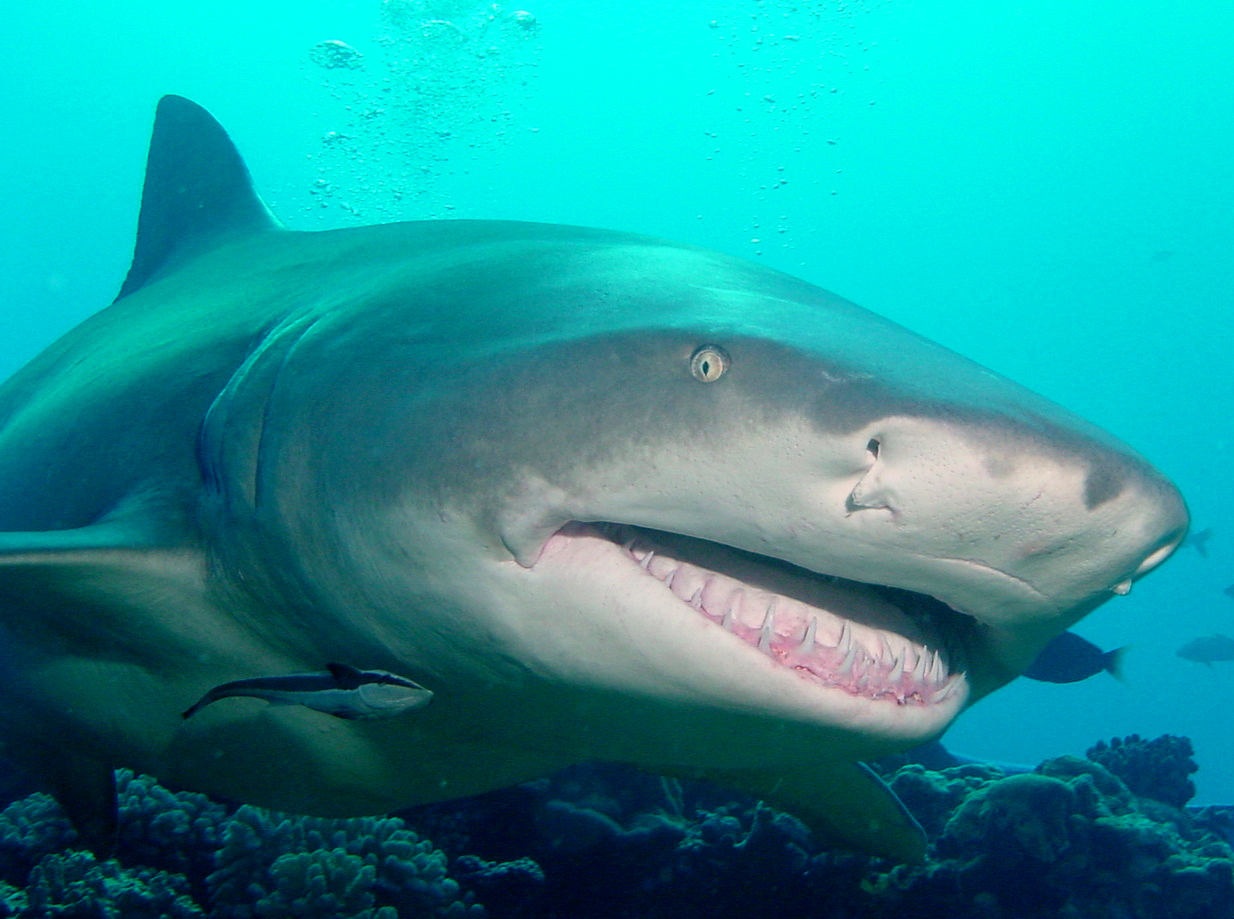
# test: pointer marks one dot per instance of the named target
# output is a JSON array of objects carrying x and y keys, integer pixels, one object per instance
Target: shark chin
[{"x": 340, "y": 522}]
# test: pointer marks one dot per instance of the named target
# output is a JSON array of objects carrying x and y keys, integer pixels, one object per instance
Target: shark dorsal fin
[{"x": 197, "y": 191}]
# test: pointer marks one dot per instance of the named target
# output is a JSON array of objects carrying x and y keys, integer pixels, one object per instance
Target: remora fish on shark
[
  {"x": 606, "y": 496},
  {"x": 342, "y": 691}
]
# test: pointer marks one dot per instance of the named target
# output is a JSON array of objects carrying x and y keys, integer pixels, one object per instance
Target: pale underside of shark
[{"x": 602, "y": 496}]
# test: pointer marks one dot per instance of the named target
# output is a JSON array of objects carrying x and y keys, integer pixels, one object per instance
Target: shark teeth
[
  {"x": 807, "y": 639},
  {"x": 853, "y": 657}
]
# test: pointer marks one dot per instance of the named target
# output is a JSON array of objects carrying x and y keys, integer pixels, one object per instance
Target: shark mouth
[{"x": 881, "y": 643}]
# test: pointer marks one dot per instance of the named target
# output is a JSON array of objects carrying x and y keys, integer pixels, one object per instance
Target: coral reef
[
  {"x": 1096, "y": 837},
  {"x": 1158, "y": 769},
  {"x": 30, "y": 829},
  {"x": 182, "y": 855},
  {"x": 272, "y": 865},
  {"x": 1072, "y": 840},
  {"x": 1069, "y": 839},
  {"x": 74, "y": 885}
]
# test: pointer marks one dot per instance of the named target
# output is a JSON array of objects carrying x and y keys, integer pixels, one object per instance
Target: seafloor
[{"x": 1109, "y": 835}]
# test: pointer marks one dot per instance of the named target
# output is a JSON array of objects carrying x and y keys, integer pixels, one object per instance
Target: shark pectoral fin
[
  {"x": 843, "y": 802},
  {"x": 85, "y": 789},
  {"x": 95, "y": 590}
]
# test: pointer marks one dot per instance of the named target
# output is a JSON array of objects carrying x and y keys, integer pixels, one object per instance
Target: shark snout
[
  {"x": 1008, "y": 525},
  {"x": 1174, "y": 536},
  {"x": 1147, "y": 520}
]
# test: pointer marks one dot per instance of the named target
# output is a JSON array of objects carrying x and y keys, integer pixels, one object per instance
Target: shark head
[
  {"x": 663, "y": 477},
  {"x": 604, "y": 496}
]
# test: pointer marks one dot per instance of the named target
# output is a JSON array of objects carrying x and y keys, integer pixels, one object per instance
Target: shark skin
[{"x": 604, "y": 496}]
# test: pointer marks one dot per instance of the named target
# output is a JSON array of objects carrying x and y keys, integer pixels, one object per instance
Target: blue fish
[
  {"x": 1208, "y": 648},
  {"x": 1068, "y": 658},
  {"x": 1199, "y": 541}
]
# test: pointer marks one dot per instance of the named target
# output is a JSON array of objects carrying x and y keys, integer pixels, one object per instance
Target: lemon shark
[{"x": 600, "y": 496}]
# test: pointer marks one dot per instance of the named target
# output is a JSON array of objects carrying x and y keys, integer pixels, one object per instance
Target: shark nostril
[
  {"x": 868, "y": 492},
  {"x": 867, "y": 496}
]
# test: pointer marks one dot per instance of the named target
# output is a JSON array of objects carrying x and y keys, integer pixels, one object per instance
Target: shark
[{"x": 599, "y": 496}]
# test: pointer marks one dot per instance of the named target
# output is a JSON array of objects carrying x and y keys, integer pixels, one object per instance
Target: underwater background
[{"x": 1047, "y": 188}]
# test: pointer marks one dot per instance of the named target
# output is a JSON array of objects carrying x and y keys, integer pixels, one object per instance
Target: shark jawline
[{"x": 889, "y": 645}]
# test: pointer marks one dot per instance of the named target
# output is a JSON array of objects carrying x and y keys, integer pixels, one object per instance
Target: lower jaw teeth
[{"x": 847, "y": 665}]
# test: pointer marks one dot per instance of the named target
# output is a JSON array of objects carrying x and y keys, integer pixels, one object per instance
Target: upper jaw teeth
[{"x": 854, "y": 657}]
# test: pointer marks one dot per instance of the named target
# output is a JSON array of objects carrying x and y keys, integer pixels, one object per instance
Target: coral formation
[
  {"x": 1072, "y": 840},
  {"x": 182, "y": 855},
  {"x": 1158, "y": 769},
  {"x": 1077, "y": 837},
  {"x": 272, "y": 865},
  {"x": 74, "y": 885},
  {"x": 30, "y": 829}
]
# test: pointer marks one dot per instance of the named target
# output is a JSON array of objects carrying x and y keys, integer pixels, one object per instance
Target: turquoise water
[{"x": 1047, "y": 188}]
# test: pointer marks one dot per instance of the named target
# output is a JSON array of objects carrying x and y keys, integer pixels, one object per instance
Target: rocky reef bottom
[{"x": 1106, "y": 835}]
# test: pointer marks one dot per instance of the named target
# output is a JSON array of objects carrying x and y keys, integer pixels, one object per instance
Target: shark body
[{"x": 605, "y": 496}]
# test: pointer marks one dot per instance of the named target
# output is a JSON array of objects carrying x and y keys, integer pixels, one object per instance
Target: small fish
[
  {"x": 1215, "y": 647},
  {"x": 1068, "y": 658},
  {"x": 344, "y": 692},
  {"x": 1199, "y": 541},
  {"x": 1229, "y": 591}
]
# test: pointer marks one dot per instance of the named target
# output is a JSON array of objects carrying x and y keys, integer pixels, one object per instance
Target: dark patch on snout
[{"x": 1102, "y": 484}]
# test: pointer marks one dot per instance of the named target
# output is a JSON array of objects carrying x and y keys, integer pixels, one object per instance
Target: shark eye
[{"x": 708, "y": 363}]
